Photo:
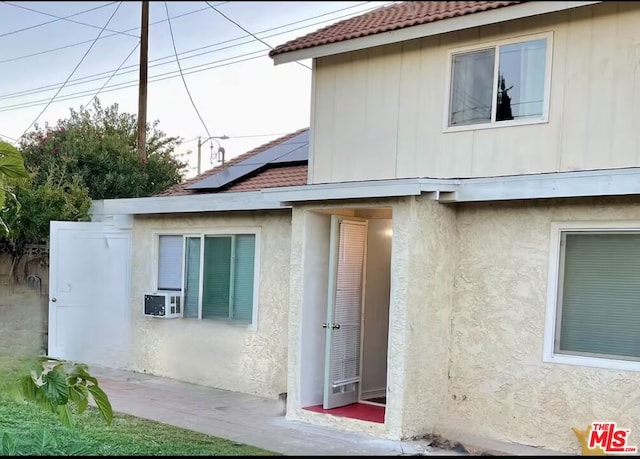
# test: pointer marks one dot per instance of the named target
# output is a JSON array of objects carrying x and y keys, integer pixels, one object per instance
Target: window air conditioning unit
[{"x": 164, "y": 305}]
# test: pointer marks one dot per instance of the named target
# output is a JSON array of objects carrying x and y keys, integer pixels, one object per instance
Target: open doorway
[{"x": 345, "y": 315}]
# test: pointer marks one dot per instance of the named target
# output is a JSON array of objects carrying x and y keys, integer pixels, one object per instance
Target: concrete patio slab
[{"x": 243, "y": 418}]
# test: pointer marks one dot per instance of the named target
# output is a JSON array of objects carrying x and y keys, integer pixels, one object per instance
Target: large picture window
[
  {"x": 215, "y": 273},
  {"x": 499, "y": 83}
]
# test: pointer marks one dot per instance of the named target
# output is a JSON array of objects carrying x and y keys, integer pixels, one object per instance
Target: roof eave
[
  {"x": 467, "y": 21},
  {"x": 206, "y": 202}
]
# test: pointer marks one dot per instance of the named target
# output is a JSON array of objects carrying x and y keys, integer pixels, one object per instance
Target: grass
[{"x": 36, "y": 432}]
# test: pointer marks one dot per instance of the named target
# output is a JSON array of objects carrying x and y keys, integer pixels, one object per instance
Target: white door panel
[
  {"x": 89, "y": 293},
  {"x": 343, "y": 326}
]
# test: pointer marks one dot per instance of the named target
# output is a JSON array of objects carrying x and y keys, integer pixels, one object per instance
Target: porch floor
[{"x": 361, "y": 411}]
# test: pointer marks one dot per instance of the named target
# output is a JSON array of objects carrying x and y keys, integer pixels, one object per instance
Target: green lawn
[{"x": 36, "y": 432}]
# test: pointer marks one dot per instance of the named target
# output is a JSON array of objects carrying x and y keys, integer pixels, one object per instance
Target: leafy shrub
[{"x": 63, "y": 388}]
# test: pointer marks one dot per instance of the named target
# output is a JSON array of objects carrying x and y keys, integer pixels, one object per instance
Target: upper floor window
[{"x": 506, "y": 82}]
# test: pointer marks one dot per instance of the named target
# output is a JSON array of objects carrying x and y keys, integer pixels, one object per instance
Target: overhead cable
[
  {"x": 254, "y": 36},
  {"x": 35, "y": 26},
  {"x": 74, "y": 70},
  {"x": 175, "y": 51}
]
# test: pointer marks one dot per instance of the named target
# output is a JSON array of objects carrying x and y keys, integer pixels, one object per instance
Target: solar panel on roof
[{"x": 296, "y": 149}]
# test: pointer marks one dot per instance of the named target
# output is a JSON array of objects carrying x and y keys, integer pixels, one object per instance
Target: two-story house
[
  {"x": 496, "y": 145},
  {"x": 460, "y": 254}
]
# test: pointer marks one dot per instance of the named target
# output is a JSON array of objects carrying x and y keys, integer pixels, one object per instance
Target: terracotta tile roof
[
  {"x": 394, "y": 17},
  {"x": 272, "y": 178},
  {"x": 275, "y": 176}
]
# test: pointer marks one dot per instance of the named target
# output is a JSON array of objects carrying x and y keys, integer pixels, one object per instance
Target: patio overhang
[{"x": 606, "y": 182}]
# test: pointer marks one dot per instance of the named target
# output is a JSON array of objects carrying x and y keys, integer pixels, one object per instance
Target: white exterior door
[
  {"x": 89, "y": 275},
  {"x": 343, "y": 327}
]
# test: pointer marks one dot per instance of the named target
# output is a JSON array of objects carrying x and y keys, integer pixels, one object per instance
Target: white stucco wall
[
  {"x": 498, "y": 385},
  {"x": 205, "y": 351},
  {"x": 422, "y": 267}
]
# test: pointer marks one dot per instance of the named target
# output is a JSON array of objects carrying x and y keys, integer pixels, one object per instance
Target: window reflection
[{"x": 520, "y": 83}]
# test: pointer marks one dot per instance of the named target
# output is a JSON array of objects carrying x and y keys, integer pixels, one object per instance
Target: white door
[
  {"x": 346, "y": 275},
  {"x": 89, "y": 293}
]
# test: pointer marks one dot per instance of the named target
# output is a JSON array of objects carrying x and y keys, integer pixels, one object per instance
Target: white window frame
[
  {"x": 230, "y": 231},
  {"x": 495, "y": 44},
  {"x": 554, "y": 282}
]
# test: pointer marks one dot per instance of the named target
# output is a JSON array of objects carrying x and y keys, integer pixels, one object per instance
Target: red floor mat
[{"x": 362, "y": 411}]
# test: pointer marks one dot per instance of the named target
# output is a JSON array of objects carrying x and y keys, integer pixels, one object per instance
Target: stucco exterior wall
[
  {"x": 422, "y": 251},
  {"x": 498, "y": 385},
  {"x": 205, "y": 351},
  {"x": 467, "y": 324},
  {"x": 422, "y": 267},
  {"x": 308, "y": 305}
]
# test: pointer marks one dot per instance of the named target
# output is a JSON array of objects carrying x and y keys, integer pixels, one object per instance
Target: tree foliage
[
  {"x": 12, "y": 170},
  {"x": 98, "y": 147},
  {"x": 90, "y": 155},
  {"x": 29, "y": 215}
]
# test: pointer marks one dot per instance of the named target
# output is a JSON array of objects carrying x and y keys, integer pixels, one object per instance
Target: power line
[
  {"x": 113, "y": 74},
  {"x": 90, "y": 78},
  {"x": 51, "y": 22},
  {"x": 7, "y": 137},
  {"x": 125, "y": 85},
  {"x": 206, "y": 8},
  {"x": 302, "y": 145},
  {"x": 242, "y": 28},
  {"x": 66, "y": 18},
  {"x": 173, "y": 42},
  {"x": 247, "y": 162},
  {"x": 60, "y": 48},
  {"x": 102, "y": 75},
  {"x": 74, "y": 70},
  {"x": 258, "y": 135},
  {"x": 277, "y": 134},
  {"x": 132, "y": 83}
]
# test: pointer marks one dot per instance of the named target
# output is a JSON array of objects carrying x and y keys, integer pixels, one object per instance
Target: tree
[
  {"x": 29, "y": 214},
  {"x": 97, "y": 147},
  {"x": 92, "y": 154},
  {"x": 11, "y": 170}
]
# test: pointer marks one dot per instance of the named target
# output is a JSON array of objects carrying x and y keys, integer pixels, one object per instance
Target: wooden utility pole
[{"x": 142, "y": 83}]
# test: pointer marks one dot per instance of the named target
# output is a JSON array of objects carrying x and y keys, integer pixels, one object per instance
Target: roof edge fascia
[{"x": 442, "y": 26}]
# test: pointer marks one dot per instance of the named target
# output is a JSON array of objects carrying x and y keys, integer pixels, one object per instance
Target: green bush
[{"x": 63, "y": 388}]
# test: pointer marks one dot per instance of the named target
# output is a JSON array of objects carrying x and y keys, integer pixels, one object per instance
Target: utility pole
[
  {"x": 142, "y": 82},
  {"x": 199, "y": 153}
]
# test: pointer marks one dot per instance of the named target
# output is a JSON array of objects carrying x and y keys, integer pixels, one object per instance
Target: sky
[{"x": 236, "y": 89}]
